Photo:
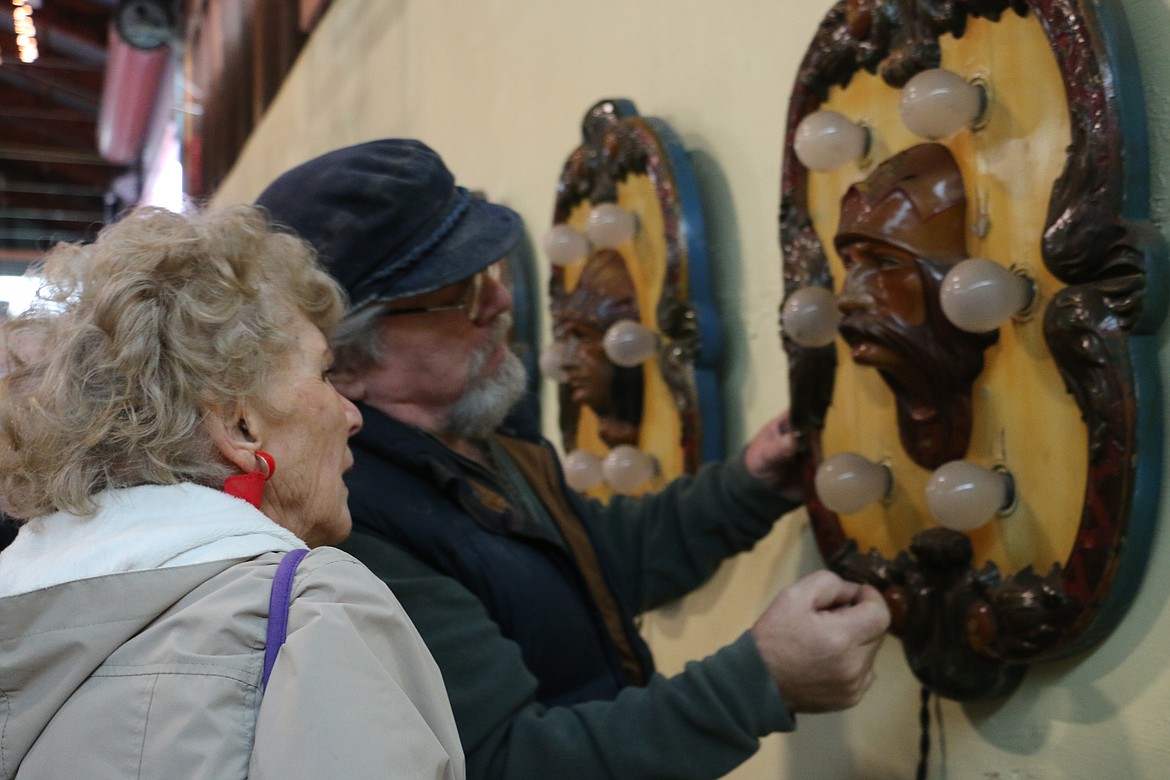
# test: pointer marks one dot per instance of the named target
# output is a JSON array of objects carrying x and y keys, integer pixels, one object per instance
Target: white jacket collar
[{"x": 138, "y": 528}]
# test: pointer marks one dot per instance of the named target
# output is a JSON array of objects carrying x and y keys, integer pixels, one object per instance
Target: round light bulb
[
  {"x": 847, "y": 482},
  {"x": 628, "y": 343},
  {"x": 810, "y": 316},
  {"x": 552, "y": 361},
  {"x": 564, "y": 245},
  {"x": 963, "y": 496},
  {"x": 626, "y": 467},
  {"x": 825, "y": 140},
  {"x": 979, "y": 295},
  {"x": 582, "y": 470},
  {"x": 937, "y": 103},
  {"x": 609, "y": 225}
]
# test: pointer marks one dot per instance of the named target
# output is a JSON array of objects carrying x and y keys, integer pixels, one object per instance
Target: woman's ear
[{"x": 229, "y": 432}]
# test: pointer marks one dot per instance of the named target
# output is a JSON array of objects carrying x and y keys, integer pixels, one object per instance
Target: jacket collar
[{"x": 136, "y": 529}]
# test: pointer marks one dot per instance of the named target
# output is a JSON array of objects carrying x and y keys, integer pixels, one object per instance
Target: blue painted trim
[
  {"x": 1121, "y": 62},
  {"x": 709, "y": 356}
]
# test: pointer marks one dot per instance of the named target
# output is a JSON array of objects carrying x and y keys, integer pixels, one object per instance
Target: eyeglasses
[{"x": 471, "y": 301}]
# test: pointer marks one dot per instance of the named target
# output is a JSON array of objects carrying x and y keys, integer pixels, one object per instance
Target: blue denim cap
[{"x": 389, "y": 221}]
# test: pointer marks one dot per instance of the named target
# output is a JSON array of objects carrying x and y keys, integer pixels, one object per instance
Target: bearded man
[
  {"x": 901, "y": 230},
  {"x": 524, "y": 592}
]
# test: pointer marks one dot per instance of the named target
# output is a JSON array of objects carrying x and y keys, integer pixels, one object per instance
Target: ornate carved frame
[
  {"x": 969, "y": 633},
  {"x": 617, "y": 143}
]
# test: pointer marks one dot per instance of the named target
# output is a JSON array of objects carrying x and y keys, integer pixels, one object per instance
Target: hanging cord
[{"x": 924, "y": 742}]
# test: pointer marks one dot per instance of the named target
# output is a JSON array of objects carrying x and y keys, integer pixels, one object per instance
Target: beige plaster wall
[{"x": 499, "y": 87}]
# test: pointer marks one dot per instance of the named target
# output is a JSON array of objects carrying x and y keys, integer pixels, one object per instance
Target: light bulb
[
  {"x": 937, "y": 103},
  {"x": 963, "y": 496},
  {"x": 628, "y": 343},
  {"x": 847, "y": 482},
  {"x": 564, "y": 245},
  {"x": 582, "y": 470},
  {"x": 552, "y": 361},
  {"x": 810, "y": 316},
  {"x": 609, "y": 225},
  {"x": 979, "y": 295},
  {"x": 825, "y": 140},
  {"x": 627, "y": 467}
]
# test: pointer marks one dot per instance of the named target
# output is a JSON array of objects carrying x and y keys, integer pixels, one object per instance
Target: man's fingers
[
  {"x": 861, "y": 607},
  {"x": 828, "y": 591},
  {"x": 874, "y": 609}
]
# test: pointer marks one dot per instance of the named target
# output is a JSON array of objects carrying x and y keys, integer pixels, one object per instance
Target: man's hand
[
  {"x": 771, "y": 457},
  {"x": 819, "y": 637}
]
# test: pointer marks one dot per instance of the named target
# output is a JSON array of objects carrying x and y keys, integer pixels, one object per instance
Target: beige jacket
[{"x": 155, "y": 674}]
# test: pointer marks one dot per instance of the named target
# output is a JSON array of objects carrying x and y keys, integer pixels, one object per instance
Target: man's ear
[{"x": 232, "y": 437}]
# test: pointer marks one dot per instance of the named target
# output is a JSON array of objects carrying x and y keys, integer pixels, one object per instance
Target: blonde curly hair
[{"x": 136, "y": 337}]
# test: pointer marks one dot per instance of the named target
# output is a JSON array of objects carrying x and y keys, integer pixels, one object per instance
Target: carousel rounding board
[
  {"x": 637, "y": 336},
  {"x": 972, "y": 287}
]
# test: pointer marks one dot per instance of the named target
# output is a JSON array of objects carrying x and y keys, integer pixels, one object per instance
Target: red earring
[{"x": 250, "y": 487}]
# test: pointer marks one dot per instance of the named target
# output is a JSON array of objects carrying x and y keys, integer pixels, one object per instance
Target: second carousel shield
[{"x": 637, "y": 337}]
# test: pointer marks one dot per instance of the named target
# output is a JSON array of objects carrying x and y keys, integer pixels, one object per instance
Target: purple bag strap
[{"x": 278, "y": 609}]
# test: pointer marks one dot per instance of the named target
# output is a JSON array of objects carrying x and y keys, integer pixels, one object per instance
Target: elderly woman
[{"x": 177, "y": 363}]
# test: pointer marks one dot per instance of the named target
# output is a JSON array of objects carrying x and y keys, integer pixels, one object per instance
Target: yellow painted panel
[
  {"x": 645, "y": 257},
  {"x": 1023, "y": 418}
]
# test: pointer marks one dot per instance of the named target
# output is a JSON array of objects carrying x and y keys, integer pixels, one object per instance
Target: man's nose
[{"x": 496, "y": 298}]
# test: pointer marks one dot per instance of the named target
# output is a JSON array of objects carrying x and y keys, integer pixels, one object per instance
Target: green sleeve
[
  {"x": 667, "y": 544},
  {"x": 699, "y": 724}
]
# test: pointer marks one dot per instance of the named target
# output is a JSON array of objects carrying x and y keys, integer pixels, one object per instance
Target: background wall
[{"x": 499, "y": 87}]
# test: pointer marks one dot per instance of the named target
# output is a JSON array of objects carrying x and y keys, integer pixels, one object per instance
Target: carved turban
[{"x": 914, "y": 200}]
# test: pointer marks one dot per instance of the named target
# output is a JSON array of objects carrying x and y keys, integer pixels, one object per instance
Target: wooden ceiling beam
[{"x": 54, "y": 155}]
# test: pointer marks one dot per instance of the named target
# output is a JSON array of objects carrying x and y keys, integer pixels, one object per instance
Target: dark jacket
[
  {"x": 529, "y": 612},
  {"x": 454, "y": 517}
]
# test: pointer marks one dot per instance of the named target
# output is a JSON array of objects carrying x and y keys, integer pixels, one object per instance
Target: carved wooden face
[
  {"x": 589, "y": 371},
  {"x": 604, "y": 295},
  {"x": 881, "y": 281},
  {"x": 900, "y": 226},
  {"x": 901, "y": 229}
]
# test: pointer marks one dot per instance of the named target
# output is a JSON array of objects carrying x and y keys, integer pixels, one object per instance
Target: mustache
[
  {"x": 951, "y": 359},
  {"x": 862, "y": 326},
  {"x": 500, "y": 328}
]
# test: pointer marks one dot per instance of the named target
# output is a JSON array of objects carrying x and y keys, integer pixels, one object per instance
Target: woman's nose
[{"x": 353, "y": 417}]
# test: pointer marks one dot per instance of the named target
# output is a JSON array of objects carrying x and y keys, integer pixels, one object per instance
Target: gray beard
[{"x": 488, "y": 398}]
